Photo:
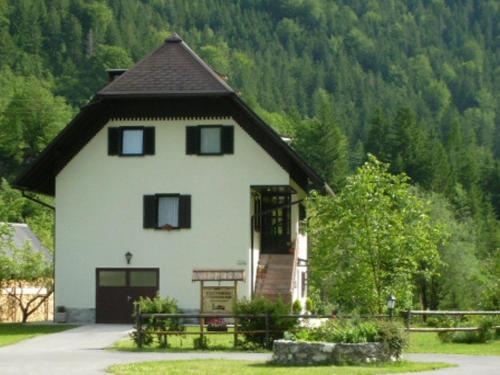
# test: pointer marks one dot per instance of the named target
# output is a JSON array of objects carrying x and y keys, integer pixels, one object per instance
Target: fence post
[
  {"x": 202, "y": 323},
  {"x": 138, "y": 324},
  {"x": 235, "y": 331},
  {"x": 408, "y": 319},
  {"x": 267, "y": 341}
]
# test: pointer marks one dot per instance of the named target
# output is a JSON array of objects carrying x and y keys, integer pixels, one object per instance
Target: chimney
[{"x": 113, "y": 73}]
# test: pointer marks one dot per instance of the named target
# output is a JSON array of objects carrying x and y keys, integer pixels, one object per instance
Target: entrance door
[
  {"x": 118, "y": 288},
  {"x": 276, "y": 224}
]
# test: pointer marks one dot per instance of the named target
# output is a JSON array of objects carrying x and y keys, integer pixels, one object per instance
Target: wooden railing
[
  {"x": 426, "y": 313},
  {"x": 236, "y": 325}
]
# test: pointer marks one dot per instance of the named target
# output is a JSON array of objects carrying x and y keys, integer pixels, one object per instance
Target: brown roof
[
  {"x": 172, "y": 82},
  {"x": 172, "y": 69}
]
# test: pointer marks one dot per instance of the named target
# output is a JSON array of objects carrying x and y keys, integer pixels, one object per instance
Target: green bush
[
  {"x": 297, "y": 307},
  {"x": 310, "y": 306},
  {"x": 486, "y": 332},
  {"x": 154, "y": 326},
  {"x": 259, "y": 306}
]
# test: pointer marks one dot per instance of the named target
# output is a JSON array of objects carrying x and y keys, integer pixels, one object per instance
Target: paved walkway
[{"x": 81, "y": 351}]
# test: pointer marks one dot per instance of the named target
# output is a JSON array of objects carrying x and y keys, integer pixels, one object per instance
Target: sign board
[{"x": 217, "y": 299}]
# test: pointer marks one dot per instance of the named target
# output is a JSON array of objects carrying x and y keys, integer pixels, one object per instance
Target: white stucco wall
[{"x": 99, "y": 211}]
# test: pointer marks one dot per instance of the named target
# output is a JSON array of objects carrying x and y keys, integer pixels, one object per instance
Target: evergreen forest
[{"x": 414, "y": 82}]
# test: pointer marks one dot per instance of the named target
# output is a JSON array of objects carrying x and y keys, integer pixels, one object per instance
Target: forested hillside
[{"x": 414, "y": 82}]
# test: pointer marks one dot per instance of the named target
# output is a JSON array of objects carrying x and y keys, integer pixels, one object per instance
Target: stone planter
[{"x": 287, "y": 352}]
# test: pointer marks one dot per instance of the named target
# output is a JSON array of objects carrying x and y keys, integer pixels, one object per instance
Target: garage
[{"x": 118, "y": 288}]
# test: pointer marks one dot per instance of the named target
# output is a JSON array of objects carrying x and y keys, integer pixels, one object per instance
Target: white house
[{"x": 165, "y": 171}]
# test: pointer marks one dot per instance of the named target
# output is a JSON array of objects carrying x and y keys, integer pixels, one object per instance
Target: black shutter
[
  {"x": 185, "y": 211},
  {"x": 228, "y": 139},
  {"x": 192, "y": 140},
  {"x": 149, "y": 140},
  {"x": 150, "y": 211},
  {"x": 114, "y": 141}
]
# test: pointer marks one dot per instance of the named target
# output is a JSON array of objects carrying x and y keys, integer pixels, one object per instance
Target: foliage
[
  {"x": 260, "y": 306},
  {"x": 485, "y": 333},
  {"x": 310, "y": 306},
  {"x": 373, "y": 239},
  {"x": 424, "y": 97},
  {"x": 154, "y": 326},
  {"x": 352, "y": 331},
  {"x": 296, "y": 307},
  {"x": 24, "y": 266}
]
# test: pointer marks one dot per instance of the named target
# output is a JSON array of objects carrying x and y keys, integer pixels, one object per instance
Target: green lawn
[
  {"x": 424, "y": 342},
  {"x": 419, "y": 343},
  {"x": 11, "y": 333},
  {"x": 225, "y": 367}
]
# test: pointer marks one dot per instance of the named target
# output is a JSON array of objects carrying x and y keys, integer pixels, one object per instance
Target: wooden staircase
[{"x": 275, "y": 277}]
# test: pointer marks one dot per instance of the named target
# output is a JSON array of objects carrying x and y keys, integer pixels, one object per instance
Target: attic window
[
  {"x": 209, "y": 140},
  {"x": 131, "y": 141}
]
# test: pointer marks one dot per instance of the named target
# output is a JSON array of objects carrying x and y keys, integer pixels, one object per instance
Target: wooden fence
[
  {"x": 267, "y": 332},
  {"x": 427, "y": 313},
  {"x": 236, "y": 318}
]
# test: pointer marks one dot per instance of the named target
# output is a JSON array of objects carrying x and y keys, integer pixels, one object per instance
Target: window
[
  {"x": 112, "y": 278},
  {"x": 209, "y": 140},
  {"x": 167, "y": 211},
  {"x": 131, "y": 141},
  {"x": 143, "y": 278}
]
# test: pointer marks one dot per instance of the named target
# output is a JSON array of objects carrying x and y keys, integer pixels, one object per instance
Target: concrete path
[
  {"x": 81, "y": 351},
  {"x": 467, "y": 364}
]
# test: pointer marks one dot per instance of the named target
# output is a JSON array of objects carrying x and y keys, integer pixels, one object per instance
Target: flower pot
[{"x": 60, "y": 317}]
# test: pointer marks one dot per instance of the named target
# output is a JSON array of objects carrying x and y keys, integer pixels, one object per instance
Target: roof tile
[{"x": 172, "y": 69}]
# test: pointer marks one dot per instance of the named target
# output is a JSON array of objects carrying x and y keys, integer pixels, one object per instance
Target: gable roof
[
  {"x": 171, "y": 82},
  {"x": 172, "y": 69},
  {"x": 22, "y": 234}
]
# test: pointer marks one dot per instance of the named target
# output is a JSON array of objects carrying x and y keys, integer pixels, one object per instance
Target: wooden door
[
  {"x": 118, "y": 288},
  {"x": 276, "y": 224}
]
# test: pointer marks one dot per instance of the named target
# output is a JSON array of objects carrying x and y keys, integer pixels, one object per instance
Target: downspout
[
  {"x": 36, "y": 200},
  {"x": 252, "y": 219}
]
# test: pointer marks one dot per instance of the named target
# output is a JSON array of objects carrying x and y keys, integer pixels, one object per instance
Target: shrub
[
  {"x": 352, "y": 331},
  {"x": 297, "y": 307},
  {"x": 310, "y": 306},
  {"x": 393, "y": 336},
  {"x": 485, "y": 333},
  {"x": 153, "y": 326},
  {"x": 260, "y": 306}
]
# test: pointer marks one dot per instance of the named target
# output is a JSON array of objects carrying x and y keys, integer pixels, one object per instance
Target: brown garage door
[{"x": 118, "y": 288}]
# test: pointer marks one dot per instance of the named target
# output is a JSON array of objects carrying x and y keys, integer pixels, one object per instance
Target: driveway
[{"x": 81, "y": 351}]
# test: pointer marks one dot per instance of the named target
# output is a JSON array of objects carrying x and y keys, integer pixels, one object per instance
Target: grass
[
  {"x": 11, "y": 333},
  {"x": 419, "y": 343},
  {"x": 229, "y": 367},
  {"x": 427, "y": 342}
]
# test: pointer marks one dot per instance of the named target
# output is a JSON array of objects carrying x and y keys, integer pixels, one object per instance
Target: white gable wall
[{"x": 99, "y": 211}]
